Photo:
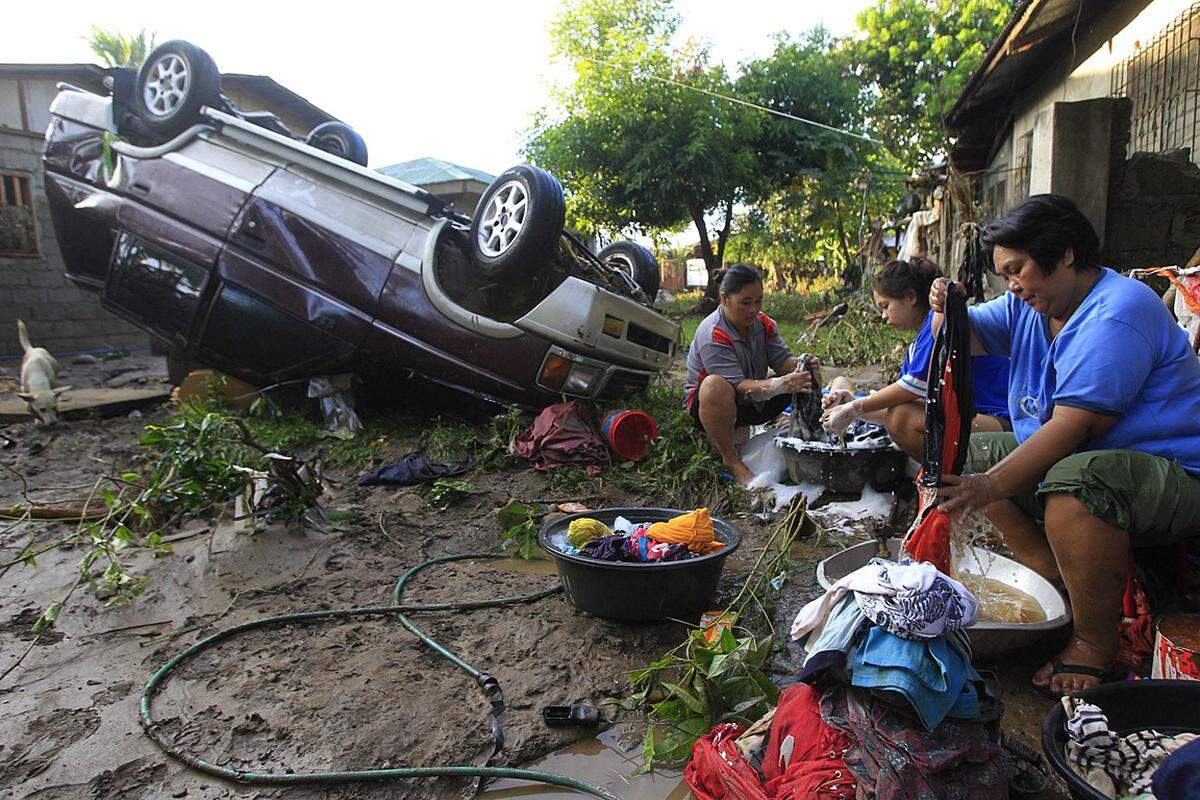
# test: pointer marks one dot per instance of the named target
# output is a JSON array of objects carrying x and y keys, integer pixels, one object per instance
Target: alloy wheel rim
[
  {"x": 167, "y": 85},
  {"x": 504, "y": 219}
]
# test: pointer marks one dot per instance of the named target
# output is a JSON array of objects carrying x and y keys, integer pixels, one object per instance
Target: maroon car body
[{"x": 273, "y": 261}]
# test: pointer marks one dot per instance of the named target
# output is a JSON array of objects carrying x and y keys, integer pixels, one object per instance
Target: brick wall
[{"x": 60, "y": 317}]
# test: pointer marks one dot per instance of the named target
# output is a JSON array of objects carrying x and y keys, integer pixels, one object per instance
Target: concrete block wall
[
  {"x": 60, "y": 317},
  {"x": 1154, "y": 211}
]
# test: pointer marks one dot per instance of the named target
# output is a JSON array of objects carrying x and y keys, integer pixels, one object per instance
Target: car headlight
[{"x": 583, "y": 379}]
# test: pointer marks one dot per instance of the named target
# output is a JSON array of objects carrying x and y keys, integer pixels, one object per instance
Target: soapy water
[
  {"x": 769, "y": 465},
  {"x": 970, "y": 562}
]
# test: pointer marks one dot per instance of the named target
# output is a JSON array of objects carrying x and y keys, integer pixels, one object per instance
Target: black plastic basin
[
  {"x": 1165, "y": 706},
  {"x": 638, "y": 591}
]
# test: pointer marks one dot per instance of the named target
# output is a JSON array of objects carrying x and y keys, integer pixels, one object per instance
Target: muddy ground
[{"x": 329, "y": 696}]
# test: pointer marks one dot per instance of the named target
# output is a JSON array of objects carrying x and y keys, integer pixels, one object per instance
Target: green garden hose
[{"x": 489, "y": 685}]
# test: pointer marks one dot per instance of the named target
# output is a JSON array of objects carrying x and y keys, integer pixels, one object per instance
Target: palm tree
[{"x": 118, "y": 50}]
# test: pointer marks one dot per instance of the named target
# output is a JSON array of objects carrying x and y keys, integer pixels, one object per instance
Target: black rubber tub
[
  {"x": 880, "y": 467},
  {"x": 1166, "y": 706},
  {"x": 636, "y": 591}
]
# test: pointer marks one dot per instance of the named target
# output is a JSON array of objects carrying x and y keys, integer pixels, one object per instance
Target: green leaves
[
  {"x": 48, "y": 617},
  {"x": 446, "y": 492},
  {"x": 520, "y": 519}
]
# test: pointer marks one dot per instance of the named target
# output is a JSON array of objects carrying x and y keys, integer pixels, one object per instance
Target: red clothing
[{"x": 803, "y": 758}]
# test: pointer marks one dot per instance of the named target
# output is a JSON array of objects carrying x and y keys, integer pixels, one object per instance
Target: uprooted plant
[
  {"x": 718, "y": 672},
  {"x": 206, "y": 457}
]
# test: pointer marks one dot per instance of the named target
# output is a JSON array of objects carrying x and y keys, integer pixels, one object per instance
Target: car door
[{"x": 300, "y": 277}]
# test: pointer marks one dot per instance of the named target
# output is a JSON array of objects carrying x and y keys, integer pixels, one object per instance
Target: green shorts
[{"x": 1155, "y": 500}]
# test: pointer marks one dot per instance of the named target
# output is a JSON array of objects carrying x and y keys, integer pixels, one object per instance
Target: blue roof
[{"x": 428, "y": 171}]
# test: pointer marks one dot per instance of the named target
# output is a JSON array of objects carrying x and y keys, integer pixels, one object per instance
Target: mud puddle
[{"x": 605, "y": 760}]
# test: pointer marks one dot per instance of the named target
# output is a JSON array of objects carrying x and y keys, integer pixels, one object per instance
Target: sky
[{"x": 453, "y": 80}]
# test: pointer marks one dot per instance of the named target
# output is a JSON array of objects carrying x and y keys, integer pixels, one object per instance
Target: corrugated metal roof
[{"x": 427, "y": 171}]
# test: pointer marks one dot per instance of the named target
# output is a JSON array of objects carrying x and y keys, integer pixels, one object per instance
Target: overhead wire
[{"x": 671, "y": 81}]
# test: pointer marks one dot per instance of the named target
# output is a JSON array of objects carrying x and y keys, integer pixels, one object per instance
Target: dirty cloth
[
  {"x": 583, "y": 530},
  {"x": 694, "y": 529},
  {"x": 607, "y": 548},
  {"x": 1116, "y": 766},
  {"x": 1179, "y": 776},
  {"x": 892, "y": 758},
  {"x": 717, "y": 770},
  {"x": 804, "y": 757},
  {"x": 935, "y": 678},
  {"x": 633, "y": 548},
  {"x": 908, "y": 603},
  {"x": 829, "y": 644},
  {"x": 949, "y": 409},
  {"x": 563, "y": 435},
  {"x": 805, "y": 420},
  {"x": 411, "y": 470}
]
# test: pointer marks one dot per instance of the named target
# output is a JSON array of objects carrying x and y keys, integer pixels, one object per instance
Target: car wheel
[
  {"x": 339, "y": 139},
  {"x": 637, "y": 262},
  {"x": 517, "y": 224},
  {"x": 176, "y": 79}
]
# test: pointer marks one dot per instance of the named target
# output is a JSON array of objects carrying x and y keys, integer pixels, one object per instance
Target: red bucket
[{"x": 629, "y": 432}]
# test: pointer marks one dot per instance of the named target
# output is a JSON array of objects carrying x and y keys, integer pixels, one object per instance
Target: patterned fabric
[
  {"x": 1115, "y": 766},
  {"x": 945, "y": 606},
  {"x": 894, "y": 758}
]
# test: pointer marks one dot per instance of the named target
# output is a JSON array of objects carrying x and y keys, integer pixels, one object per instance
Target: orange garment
[{"x": 694, "y": 529}]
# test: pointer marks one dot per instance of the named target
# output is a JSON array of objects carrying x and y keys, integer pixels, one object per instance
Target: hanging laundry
[
  {"x": 412, "y": 470},
  {"x": 893, "y": 759},
  {"x": 912, "y": 608},
  {"x": 1116, "y": 766},
  {"x": 563, "y": 435},
  {"x": 949, "y": 409},
  {"x": 694, "y": 529},
  {"x": 583, "y": 530},
  {"x": 974, "y": 262}
]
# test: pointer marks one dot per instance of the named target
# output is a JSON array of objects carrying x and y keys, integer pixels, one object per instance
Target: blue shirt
[
  {"x": 989, "y": 374},
  {"x": 1120, "y": 354}
]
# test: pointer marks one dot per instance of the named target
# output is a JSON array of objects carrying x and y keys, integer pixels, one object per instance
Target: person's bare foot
[
  {"x": 1078, "y": 652},
  {"x": 741, "y": 473}
]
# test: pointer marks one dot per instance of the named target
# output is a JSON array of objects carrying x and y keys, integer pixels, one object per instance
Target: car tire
[
  {"x": 517, "y": 224},
  {"x": 637, "y": 262},
  {"x": 176, "y": 79},
  {"x": 339, "y": 139}
]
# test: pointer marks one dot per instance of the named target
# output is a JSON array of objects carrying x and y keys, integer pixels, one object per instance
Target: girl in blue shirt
[
  {"x": 901, "y": 292},
  {"x": 1104, "y": 395}
]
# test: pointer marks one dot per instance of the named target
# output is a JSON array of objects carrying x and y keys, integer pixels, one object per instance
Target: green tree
[
  {"x": 916, "y": 55},
  {"x": 637, "y": 150},
  {"x": 116, "y": 49}
]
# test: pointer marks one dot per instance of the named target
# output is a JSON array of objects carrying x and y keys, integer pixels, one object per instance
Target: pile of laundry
[
  {"x": 1145, "y": 765},
  {"x": 683, "y": 537},
  {"x": 902, "y": 713}
]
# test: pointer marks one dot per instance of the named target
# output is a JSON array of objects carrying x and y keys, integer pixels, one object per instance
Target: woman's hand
[
  {"x": 937, "y": 295},
  {"x": 793, "y": 383},
  {"x": 813, "y": 362},
  {"x": 838, "y": 418},
  {"x": 966, "y": 494},
  {"x": 837, "y": 397}
]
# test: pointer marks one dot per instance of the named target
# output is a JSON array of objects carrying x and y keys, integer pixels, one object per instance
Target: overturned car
[{"x": 274, "y": 258}]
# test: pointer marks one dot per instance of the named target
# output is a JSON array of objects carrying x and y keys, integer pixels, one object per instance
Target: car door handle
[{"x": 139, "y": 188}]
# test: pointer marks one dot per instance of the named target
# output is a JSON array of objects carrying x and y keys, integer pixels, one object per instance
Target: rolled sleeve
[
  {"x": 991, "y": 322},
  {"x": 720, "y": 359},
  {"x": 1101, "y": 366}
]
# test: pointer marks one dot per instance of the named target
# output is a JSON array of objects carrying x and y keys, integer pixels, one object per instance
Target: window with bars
[
  {"x": 1162, "y": 80},
  {"x": 18, "y": 232}
]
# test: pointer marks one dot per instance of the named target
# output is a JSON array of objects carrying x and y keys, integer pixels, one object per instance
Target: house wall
[
  {"x": 60, "y": 317},
  {"x": 250, "y": 101},
  {"x": 1154, "y": 212}
]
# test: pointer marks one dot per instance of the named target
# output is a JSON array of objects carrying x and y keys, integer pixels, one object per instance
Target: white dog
[{"x": 39, "y": 371}]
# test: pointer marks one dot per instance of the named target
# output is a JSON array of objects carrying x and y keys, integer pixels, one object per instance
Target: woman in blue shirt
[
  {"x": 901, "y": 292},
  {"x": 1104, "y": 394}
]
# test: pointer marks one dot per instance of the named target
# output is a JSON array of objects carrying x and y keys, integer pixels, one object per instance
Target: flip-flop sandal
[{"x": 1063, "y": 668}]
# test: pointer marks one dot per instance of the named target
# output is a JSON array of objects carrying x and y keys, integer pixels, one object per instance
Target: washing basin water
[{"x": 988, "y": 639}]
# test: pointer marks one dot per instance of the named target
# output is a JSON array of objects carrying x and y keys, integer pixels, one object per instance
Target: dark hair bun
[{"x": 736, "y": 277}]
